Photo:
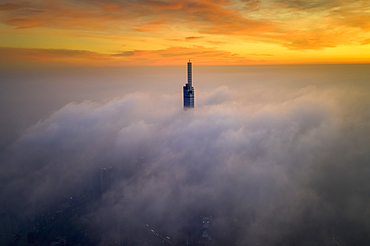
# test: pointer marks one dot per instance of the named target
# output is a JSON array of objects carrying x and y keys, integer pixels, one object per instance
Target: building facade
[{"x": 188, "y": 89}]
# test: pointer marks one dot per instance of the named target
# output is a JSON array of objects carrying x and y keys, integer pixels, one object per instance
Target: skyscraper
[{"x": 189, "y": 90}]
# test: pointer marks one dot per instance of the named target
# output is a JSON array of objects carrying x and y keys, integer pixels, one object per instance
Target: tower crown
[{"x": 190, "y": 75}]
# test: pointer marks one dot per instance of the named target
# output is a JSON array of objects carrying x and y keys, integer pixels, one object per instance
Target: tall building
[
  {"x": 204, "y": 231},
  {"x": 189, "y": 90}
]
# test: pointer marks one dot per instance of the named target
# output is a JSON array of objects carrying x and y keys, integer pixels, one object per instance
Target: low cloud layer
[
  {"x": 288, "y": 172},
  {"x": 172, "y": 55}
]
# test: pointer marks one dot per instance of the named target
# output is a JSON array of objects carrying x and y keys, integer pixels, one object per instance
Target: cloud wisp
[{"x": 171, "y": 56}]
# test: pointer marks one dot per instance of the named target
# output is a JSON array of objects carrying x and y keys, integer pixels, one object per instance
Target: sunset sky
[
  {"x": 96, "y": 147},
  {"x": 163, "y": 32}
]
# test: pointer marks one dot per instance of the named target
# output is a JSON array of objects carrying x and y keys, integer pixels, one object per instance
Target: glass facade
[{"x": 189, "y": 90}]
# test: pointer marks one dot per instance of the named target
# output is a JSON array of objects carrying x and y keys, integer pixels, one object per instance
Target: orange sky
[{"x": 209, "y": 32}]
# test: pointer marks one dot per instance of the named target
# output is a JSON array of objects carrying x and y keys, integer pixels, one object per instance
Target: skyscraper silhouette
[{"x": 189, "y": 90}]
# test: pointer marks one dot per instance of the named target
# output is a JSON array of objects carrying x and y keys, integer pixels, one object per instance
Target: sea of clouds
[{"x": 268, "y": 169}]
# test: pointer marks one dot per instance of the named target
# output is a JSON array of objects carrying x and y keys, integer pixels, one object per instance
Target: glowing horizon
[{"x": 153, "y": 32}]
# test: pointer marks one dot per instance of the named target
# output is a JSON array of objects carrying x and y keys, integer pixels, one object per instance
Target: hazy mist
[{"x": 275, "y": 155}]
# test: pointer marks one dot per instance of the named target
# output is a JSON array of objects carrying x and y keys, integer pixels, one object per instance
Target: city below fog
[{"x": 269, "y": 156}]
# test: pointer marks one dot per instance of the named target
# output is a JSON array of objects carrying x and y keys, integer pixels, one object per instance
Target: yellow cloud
[{"x": 153, "y": 27}]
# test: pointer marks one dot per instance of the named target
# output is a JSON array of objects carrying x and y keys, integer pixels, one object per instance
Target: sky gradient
[{"x": 153, "y": 32}]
